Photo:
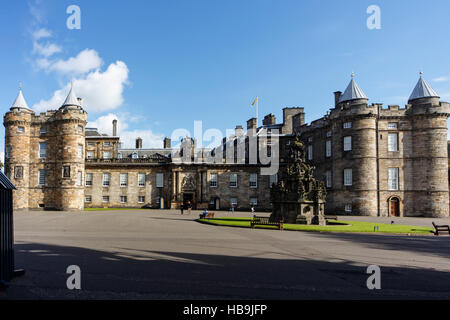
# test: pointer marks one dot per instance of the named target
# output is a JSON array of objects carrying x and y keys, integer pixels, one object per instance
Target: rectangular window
[
  {"x": 106, "y": 178},
  {"x": 159, "y": 180},
  {"x": 273, "y": 179},
  {"x": 141, "y": 179},
  {"x": 253, "y": 180},
  {"x": 348, "y": 143},
  {"x": 392, "y": 125},
  {"x": 348, "y": 208},
  {"x": 91, "y": 144},
  {"x": 123, "y": 179},
  {"x": 233, "y": 180},
  {"x": 328, "y": 148},
  {"x": 106, "y": 144},
  {"x": 88, "y": 199},
  {"x": 123, "y": 199},
  {"x": 253, "y": 201},
  {"x": 141, "y": 199},
  {"x": 8, "y": 152},
  {"x": 392, "y": 142},
  {"x": 80, "y": 129},
  {"x": 43, "y": 129},
  {"x": 347, "y": 125},
  {"x": 20, "y": 129},
  {"x": 233, "y": 202},
  {"x": 213, "y": 180},
  {"x": 42, "y": 180},
  {"x": 348, "y": 179},
  {"x": 310, "y": 139},
  {"x": 310, "y": 152},
  {"x": 90, "y": 154},
  {"x": 89, "y": 179},
  {"x": 393, "y": 178},
  {"x": 328, "y": 134},
  {"x": 79, "y": 178},
  {"x": 66, "y": 172},
  {"x": 328, "y": 177},
  {"x": 80, "y": 151},
  {"x": 106, "y": 155},
  {"x": 42, "y": 149},
  {"x": 105, "y": 199}
]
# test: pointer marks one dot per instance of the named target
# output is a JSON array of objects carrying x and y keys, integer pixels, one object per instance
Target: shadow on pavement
[{"x": 150, "y": 274}]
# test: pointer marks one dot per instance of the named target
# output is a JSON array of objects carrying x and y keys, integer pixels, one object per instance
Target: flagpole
[{"x": 257, "y": 102}]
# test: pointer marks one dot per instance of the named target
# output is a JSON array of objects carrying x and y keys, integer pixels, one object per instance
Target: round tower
[
  {"x": 354, "y": 162},
  {"x": 17, "y": 124},
  {"x": 70, "y": 122},
  {"x": 430, "y": 195}
]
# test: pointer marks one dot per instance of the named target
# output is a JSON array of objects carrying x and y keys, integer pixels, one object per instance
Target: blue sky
[{"x": 160, "y": 65}]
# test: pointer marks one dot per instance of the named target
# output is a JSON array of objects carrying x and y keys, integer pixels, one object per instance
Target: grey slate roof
[
  {"x": 353, "y": 92},
  {"x": 71, "y": 99},
  {"x": 20, "y": 101},
  {"x": 422, "y": 90},
  {"x": 5, "y": 183}
]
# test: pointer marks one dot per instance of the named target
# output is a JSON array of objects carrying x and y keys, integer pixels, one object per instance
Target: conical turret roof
[
  {"x": 422, "y": 90},
  {"x": 20, "y": 101},
  {"x": 353, "y": 92},
  {"x": 71, "y": 99}
]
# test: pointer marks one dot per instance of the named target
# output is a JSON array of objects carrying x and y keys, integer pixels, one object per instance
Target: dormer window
[{"x": 134, "y": 155}]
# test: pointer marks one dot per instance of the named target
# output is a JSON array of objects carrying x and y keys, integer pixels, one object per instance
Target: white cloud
[
  {"x": 127, "y": 137},
  {"x": 47, "y": 50},
  {"x": 101, "y": 91},
  {"x": 85, "y": 61},
  {"x": 41, "y": 33},
  {"x": 441, "y": 79}
]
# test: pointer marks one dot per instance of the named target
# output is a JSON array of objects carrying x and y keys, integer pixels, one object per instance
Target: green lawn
[{"x": 340, "y": 226}]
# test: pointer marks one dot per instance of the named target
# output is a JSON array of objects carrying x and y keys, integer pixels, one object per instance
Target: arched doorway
[{"x": 394, "y": 207}]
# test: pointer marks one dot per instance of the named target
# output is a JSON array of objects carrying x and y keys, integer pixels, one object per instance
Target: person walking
[
  {"x": 181, "y": 207},
  {"x": 189, "y": 206}
]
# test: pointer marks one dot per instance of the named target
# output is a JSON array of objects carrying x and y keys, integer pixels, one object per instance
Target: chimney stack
[
  {"x": 238, "y": 131},
  {"x": 269, "y": 119},
  {"x": 114, "y": 127},
  {"x": 337, "y": 96},
  {"x": 139, "y": 143},
  {"x": 167, "y": 143}
]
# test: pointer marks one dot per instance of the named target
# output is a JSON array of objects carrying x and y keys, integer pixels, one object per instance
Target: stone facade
[{"x": 373, "y": 160}]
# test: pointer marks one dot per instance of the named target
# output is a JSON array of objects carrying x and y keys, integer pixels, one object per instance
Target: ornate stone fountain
[{"x": 298, "y": 198}]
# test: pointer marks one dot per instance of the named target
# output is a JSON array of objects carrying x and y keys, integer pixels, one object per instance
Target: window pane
[
  {"x": 159, "y": 180},
  {"x": 393, "y": 178},
  {"x": 123, "y": 179},
  {"x": 328, "y": 148},
  {"x": 89, "y": 179},
  {"x": 328, "y": 179},
  {"x": 106, "y": 179},
  {"x": 253, "y": 180},
  {"x": 310, "y": 152},
  {"x": 141, "y": 179},
  {"x": 348, "y": 177},
  {"x": 213, "y": 180},
  {"x": 392, "y": 142},
  {"x": 42, "y": 149},
  {"x": 347, "y": 143}
]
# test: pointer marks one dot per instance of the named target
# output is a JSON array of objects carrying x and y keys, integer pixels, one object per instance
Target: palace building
[{"x": 373, "y": 160}]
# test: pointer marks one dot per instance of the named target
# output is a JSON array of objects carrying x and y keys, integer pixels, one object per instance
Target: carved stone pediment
[{"x": 188, "y": 182}]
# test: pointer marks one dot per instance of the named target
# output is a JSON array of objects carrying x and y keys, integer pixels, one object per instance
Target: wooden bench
[
  {"x": 441, "y": 228},
  {"x": 207, "y": 216},
  {"x": 265, "y": 221},
  {"x": 331, "y": 217}
]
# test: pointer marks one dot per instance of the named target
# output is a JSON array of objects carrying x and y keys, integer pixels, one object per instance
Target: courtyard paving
[{"x": 160, "y": 254}]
